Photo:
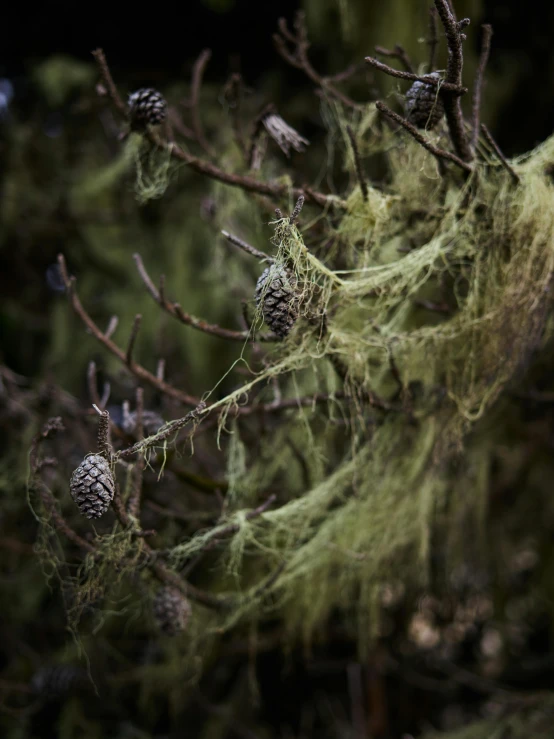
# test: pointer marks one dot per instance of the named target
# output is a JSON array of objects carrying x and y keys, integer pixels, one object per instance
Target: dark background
[{"x": 157, "y": 42}]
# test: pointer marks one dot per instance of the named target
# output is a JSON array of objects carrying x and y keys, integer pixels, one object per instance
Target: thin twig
[
  {"x": 134, "y": 501},
  {"x": 358, "y": 163},
  {"x": 487, "y": 134},
  {"x": 162, "y": 572},
  {"x": 454, "y": 66},
  {"x": 133, "y": 367},
  {"x": 433, "y": 39},
  {"x": 92, "y": 382},
  {"x": 103, "y": 434},
  {"x": 478, "y": 84},
  {"x": 165, "y": 432},
  {"x": 208, "y": 169},
  {"x": 51, "y": 427},
  {"x": 299, "y": 57},
  {"x": 220, "y": 533},
  {"x": 445, "y": 86},
  {"x": 233, "y": 94},
  {"x": 107, "y": 78},
  {"x": 132, "y": 339},
  {"x": 175, "y": 310},
  {"x": 247, "y": 247},
  {"x": 57, "y": 519},
  {"x": 399, "y": 52},
  {"x": 197, "y": 75},
  {"x": 412, "y": 130}
]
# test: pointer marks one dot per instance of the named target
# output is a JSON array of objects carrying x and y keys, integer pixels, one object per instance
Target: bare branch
[
  {"x": 445, "y": 86},
  {"x": 208, "y": 169},
  {"x": 399, "y": 52},
  {"x": 107, "y": 78},
  {"x": 262, "y": 256},
  {"x": 298, "y": 58},
  {"x": 412, "y": 130},
  {"x": 233, "y": 94},
  {"x": 487, "y": 134},
  {"x": 433, "y": 39},
  {"x": 455, "y": 63},
  {"x": 132, "y": 339},
  {"x": 175, "y": 310},
  {"x": 478, "y": 84},
  {"x": 133, "y": 367},
  {"x": 165, "y": 432},
  {"x": 358, "y": 163},
  {"x": 197, "y": 75},
  {"x": 104, "y": 443},
  {"x": 134, "y": 502}
]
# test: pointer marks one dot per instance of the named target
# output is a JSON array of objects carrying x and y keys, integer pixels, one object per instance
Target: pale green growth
[
  {"x": 361, "y": 489},
  {"x": 360, "y": 513},
  {"x": 154, "y": 168}
]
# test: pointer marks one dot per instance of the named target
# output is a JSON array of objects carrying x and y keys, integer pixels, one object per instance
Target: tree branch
[
  {"x": 412, "y": 130},
  {"x": 133, "y": 367},
  {"x": 175, "y": 310},
  {"x": 478, "y": 84},
  {"x": 455, "y": 63}
]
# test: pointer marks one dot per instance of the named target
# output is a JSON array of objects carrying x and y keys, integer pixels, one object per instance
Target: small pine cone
[
  {"x": 424, "y": 106},
  {"x": 92, "y": 486},
  {"x": 277, "y": 296},
  {"x": 58, "y": 682},
  {"x": 147, "y": 107},
  {"x": 171, "y": 611}
]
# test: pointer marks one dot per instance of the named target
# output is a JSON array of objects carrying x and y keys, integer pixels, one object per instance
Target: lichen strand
[{"x": 490, "y": 246}]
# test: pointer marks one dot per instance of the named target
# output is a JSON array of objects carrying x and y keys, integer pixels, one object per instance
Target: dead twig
[
  {"x": 478, "y": 84},
  {"x": 299, "y": 59},
  {"x": 133, "y": 367},
  {"x": 262, "y": 256},
  {"x": 208, "y": 169},
  {"x": 433, "y": 39},
  {"x": 107, "y": 78},
  {"x": 134, "y": 501},
  {"x": 132, "y": 339},
  {"x": 223, "y": 532},
  {"x": 175, "y": 310},
  {"x": 412, "y": 130},
  {"x": 445, "y": 86},
  {"x": 358, "y": 163},
  {"x": 197, "y": 76},
  {"x": 399, "y": 52},
  {"x": 233, "y": 95},
  {"x": 167, "y": 430},
  {"x": 488, "y": 136},
  {"x": 454, "y": 67}
]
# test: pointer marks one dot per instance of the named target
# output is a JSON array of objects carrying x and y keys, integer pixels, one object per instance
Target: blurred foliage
[{"x": 461, "y": 647}]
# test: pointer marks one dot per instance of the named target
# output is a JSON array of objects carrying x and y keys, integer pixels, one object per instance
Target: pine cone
[
  {"x": 147, "y": 107},
  {"x": 277, "y": 296},
  {"x": 171, "y": 611},
  {"x": 424, "y": 106},
  {"x": 92, "y": 486},
  {"x": 58, "y": 681}
]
